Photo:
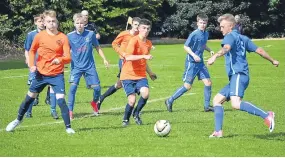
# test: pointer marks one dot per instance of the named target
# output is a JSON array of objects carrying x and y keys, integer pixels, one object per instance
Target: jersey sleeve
[
  {"x": 228, "y": 39},
  {"x": 94, "y": 40},
  {"x": 189, "y": 40},
  {"x": 250, "y": 46},
  {"x": 33, "y": 50},
  {"x": 28, "y": 42},
  {"x": 117, "y": 42}
]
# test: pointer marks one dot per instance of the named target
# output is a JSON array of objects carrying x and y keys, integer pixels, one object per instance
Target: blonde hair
[
  {"x": 38, "y": 16},
  {"x": 77, "y": 16},
  {"x": 50, "y": 13},
  {"x": 228, "y": 17}
]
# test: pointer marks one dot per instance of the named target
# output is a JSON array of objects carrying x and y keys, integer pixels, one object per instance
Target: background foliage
[{"x": 171, "y": 18}]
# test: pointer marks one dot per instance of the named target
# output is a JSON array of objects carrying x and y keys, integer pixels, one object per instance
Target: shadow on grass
[
  {"x": 272, "y": 136},
  {"x": 100, "y": 128},
  {"x": 12, "y": 64}
]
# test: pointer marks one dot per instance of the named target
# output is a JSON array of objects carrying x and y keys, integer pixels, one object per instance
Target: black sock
[
  {"x": 110, "y": 91},
  {"x": 24, "y": 107},
  {"x": 128, "y": 112},
  {"x": 141, "y": 104}
]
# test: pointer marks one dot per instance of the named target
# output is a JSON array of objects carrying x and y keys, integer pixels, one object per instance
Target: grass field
[{"x": 244, "y": 134}]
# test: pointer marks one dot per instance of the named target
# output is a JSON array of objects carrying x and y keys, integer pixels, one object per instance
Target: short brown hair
[
  {"x": 202, "y": 16},
  {"x": 38, "y": 16},
  {"x": 145, "y": 22},
  {"x": 136, "y": 19}
]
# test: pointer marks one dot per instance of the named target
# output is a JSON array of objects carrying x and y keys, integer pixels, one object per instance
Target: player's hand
[
  {"x": 152, "y": 48},
  {"x": 153, "y": 76},
  {"x": 33, "y": 68},
  {"x": 211, "y": 60},
  {"x": 106, "y": 63},
  {"x": 197, "y": 58},
  {"x": 212, "y": 53},
  {"x": 148, "y": 57},
  {"x": 55, "y": 61},
  {"x": 275, "y": 63}
]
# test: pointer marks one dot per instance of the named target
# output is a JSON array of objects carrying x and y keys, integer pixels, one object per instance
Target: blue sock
[
  {"x": 128, "y": 112},
  {"x": 141, "y": 104},
  {"x": 177, "y": 94},
  {"x": 207, "y": 96},
  {"x": 96, "y": 93},
  {"x": 109, "y": 92},
  {"x": 71, "y": 96},
  {"x": 252, "y": 109},
  {"x": 219, "y": 117},
  {"x": 52, "y": 102},
  {"x": 24, "y": 107},
  {"x": 64, "y": 112}
]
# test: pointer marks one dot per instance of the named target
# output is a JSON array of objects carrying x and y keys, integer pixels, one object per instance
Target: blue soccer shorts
[
  {"x": 237, "y": 86},
  {"x": 134, "y": 86},
  {"x": 195, "y": 69},
  {"x": 41, "y": 81},
  {"x": 91, "y": 76}
]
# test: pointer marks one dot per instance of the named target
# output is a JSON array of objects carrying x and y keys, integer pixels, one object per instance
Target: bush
[{"x": 10, "y": 50}]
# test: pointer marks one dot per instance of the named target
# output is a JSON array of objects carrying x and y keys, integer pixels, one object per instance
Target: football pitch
[{"x": 244, "y": 134}]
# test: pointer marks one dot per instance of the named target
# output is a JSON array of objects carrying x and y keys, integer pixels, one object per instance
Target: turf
[{"x": 244, "y": 134}]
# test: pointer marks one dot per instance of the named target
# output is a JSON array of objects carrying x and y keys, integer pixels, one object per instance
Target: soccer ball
[{"x": 162, "y": 128}]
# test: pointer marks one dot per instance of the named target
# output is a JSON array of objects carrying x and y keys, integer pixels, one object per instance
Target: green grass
[{"x": 244, "y": 134}]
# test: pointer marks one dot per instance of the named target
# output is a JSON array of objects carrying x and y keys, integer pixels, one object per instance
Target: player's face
[
  {"x": 135, "y": 25},
  {"x": 51, "y": 23},
  {"x": 40, "y": 24},
  {"x": 226, "y": 27},
  {"x": 144, "y": 30},
  {"x": 237, "y": 18},
  {"x": 85, "y": 17},
  {"x": 79, "y": 24},
  {"x": 202, "y": 25}
]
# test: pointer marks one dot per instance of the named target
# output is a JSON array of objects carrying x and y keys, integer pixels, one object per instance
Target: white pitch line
[{"x": 90, "y": 115}]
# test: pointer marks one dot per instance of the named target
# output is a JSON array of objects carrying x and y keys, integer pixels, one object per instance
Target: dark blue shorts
[
  {"x": 195, "y": 69},
  {"x": 134, "y": 86},
  {"x": 237, "y": 86},
  {"x": 40, "y": 81}
]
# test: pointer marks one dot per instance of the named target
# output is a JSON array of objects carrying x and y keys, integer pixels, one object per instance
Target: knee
[
  {"x": 144, "y": 92},
  {"x": 32, "y": 95},
  {"x": 235, "y": 104},
  {"x": 187, "y": 86},
  {"x": 118, "y": 85},
  {"x": 217, "y": 100},
  {"x": 132, "y": 101},
  {"x": 208, "y": 83}
]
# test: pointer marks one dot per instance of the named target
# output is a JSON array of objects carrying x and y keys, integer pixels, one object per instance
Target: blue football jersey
[
  {"x": 236, "y": 61},
  {"x": 29, "y": 39},
  {"x": 197, "y": 41},
  {"x": 82, "y": 49}
]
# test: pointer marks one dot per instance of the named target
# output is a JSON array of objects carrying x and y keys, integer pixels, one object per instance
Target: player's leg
[
  {"x": 188, "y": 78},
  {"x": 53, "y": 104},
  {"x": 238, "y": 85},
  {"x": 47, "y": 100},
  {"x": 57, "y": 84},
  {"x": 130, "y": 90},
  {"x": 36, "y": 87},
  {"x": 142, "y": 87},
  {"x": 113, "y": 88},
  {"x": 30, "y": 80},
  {"x": 74, "y": 80},
  {"x": 92, "y": 81},
  {"x": 205, "y": 77}
]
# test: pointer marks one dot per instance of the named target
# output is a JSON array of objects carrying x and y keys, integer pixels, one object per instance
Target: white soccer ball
[{"x": 162, "y": 128}]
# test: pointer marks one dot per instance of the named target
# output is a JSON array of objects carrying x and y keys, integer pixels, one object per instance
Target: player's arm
[
  {"x": 150, "y": 73},
  {"x": 27, "y": 47},
  {"x": 209, "y": 50},
  {"x": 129, "y": 56},
  {"x": 98, "y": 36},
  {"x": 66, "y": 58},
  {"x": 117, "y": 43},
  {"x": 101, "y": 53},
  {"x": 225, "y": 49},
  {"x": 188, "y": 43},
  {"x": 266, "y": 56},
  {"x": 27, "y": 57},
  {"x": 32, "y": 53}
]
